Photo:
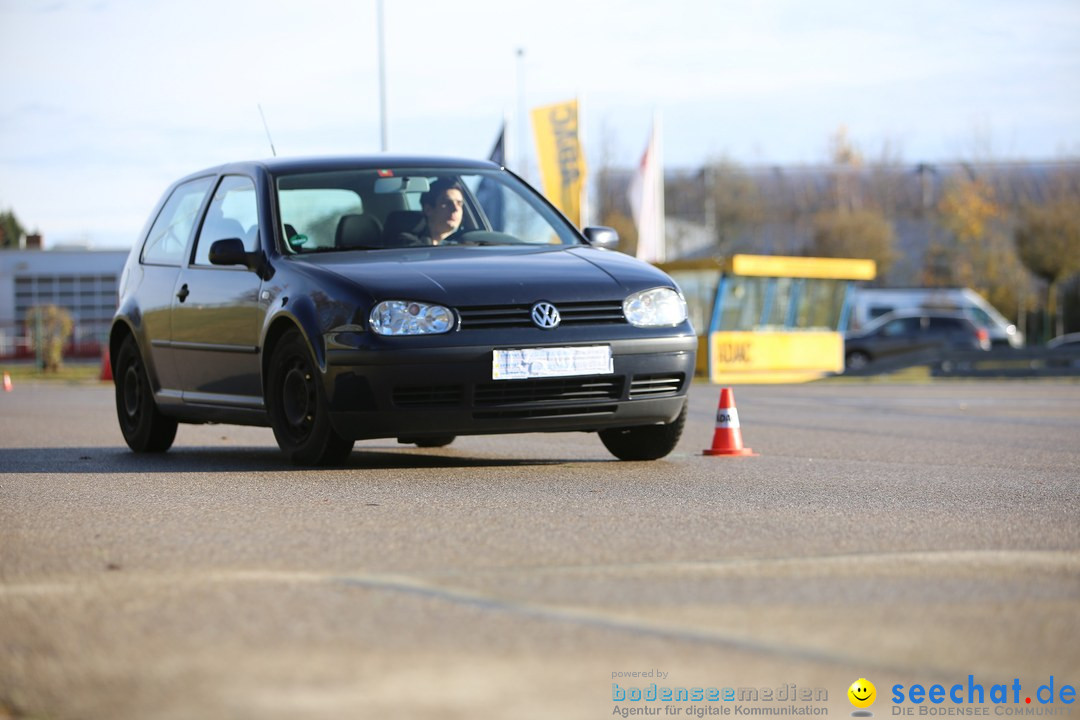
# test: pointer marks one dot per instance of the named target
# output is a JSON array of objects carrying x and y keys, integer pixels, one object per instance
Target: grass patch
[{"x": 70, "y": 372}]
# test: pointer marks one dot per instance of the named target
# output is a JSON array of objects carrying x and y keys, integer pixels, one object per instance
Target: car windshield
[{"x": 404, "y": 207}]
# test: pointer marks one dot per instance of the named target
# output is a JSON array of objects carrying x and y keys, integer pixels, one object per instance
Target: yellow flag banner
[{"x": 561, "y": 157}]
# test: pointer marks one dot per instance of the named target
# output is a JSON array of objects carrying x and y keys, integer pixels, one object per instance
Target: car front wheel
[
  {"x": 298, "y": 407},
  {"x": 856, "y": 360},
  {"x": 145, "y": 429},
  {"x": 649, "y": 442}
]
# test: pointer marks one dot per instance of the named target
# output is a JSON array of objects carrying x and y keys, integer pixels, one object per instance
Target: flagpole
[
  {"x": 523, "y": 118},
  {"x": 507, "y": 144},
  {"x": 384, "y": 134},
  {"x": 658, "y": 138},
  {"x": 584, "y": 199}
]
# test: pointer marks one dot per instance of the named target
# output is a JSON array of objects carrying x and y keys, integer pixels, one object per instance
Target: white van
[{"x": 869, "y": 303}]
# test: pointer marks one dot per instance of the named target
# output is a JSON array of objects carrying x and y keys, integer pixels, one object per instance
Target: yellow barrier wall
[{"x": 774, "y": 357}]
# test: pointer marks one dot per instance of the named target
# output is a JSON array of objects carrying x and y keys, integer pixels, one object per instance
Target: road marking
[{"x": 605, "y": 619}]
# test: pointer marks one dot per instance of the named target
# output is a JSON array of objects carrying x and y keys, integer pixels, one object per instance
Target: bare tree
[
  {"x": 49, "y": 327},
  {"x": 976, "y": 252},
  {"x": 854, "y": 234},
  {"x": 612, "y": 206},
  {"x": 1048, "y": 243},
  {"x": 734, "y": 204}
]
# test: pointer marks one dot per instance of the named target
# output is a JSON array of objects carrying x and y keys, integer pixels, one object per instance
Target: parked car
[
  {"x": 1069, "y": 342},
  {"x": 304, "y": 295},
  {"x": 903, "y": 332},
  {"x": 869, "y": 304},
  {"x": 1064, "y": 351}
]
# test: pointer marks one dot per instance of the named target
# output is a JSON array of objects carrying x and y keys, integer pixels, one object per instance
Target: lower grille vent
[
  {"x": 643, "y": 386},
  {"x": 428, "y": 396},
  {"x": 553, "y": 411},
  {"x": 511, "y": 392}
]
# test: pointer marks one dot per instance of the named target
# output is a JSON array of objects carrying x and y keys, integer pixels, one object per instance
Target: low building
[{"x": 84, "y": 282}]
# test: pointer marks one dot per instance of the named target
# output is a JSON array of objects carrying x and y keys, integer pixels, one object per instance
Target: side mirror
[
  {"x": 602, "y": 237},
  {"x": 230, "y": 251}
]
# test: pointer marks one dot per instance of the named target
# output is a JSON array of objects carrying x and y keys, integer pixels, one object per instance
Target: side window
[
  {"x": 944, "y": 325},
  {"x": 169, "y": 234},
  {"x": 233, "y": 213},
  {"x": 901, "y": 326}
]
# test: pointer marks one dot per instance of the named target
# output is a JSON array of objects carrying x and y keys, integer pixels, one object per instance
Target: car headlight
[
  {"x": 658, "y": 307},
  {"x": 405, "y": 317}
]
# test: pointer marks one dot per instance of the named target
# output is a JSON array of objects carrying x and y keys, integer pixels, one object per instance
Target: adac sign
[{"x": 774, "y": 356}]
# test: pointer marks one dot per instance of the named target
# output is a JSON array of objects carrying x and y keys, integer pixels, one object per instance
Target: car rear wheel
[
  {"x": 856, "y": 360},
  {"x": 145, "y": 429},
  {"x": 298, "y": 407},
  {"x": 649, "y": 442}
]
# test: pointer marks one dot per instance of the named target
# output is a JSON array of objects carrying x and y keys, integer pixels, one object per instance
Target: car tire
[
  {"x": 299, "y": 410},
  {"x": 144, "y": 428},
  {"x": 648, "y": 442},
  {"x": 856, "y": 360}
]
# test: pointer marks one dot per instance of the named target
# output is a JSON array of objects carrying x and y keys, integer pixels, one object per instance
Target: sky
[{"x": 103, "y": 103}]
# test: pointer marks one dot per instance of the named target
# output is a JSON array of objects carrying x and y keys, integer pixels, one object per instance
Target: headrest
[
  {"x": 402, "y": 221},
  {"x": 358, "y": 231}
]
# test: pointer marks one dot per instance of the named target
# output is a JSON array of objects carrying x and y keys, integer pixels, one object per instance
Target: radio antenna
[{"x": 267, "y": 128}]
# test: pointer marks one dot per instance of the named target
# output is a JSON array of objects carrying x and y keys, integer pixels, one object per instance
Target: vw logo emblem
[{"x": 545, "y": 315}]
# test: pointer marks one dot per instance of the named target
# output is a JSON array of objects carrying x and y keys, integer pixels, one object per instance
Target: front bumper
[{"x": 438, "y": 391}]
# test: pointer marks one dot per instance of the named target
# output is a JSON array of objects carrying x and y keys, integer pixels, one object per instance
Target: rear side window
[
  {"x": 169, "y": 234},
  {"x": 901, "y": 326},
  {"x": 942, "y": 325}
]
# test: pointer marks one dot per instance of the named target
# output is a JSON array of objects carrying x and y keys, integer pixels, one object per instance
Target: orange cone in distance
[
  {"x": 727, "y": 440},
  {"x": 106, "y": 366}
]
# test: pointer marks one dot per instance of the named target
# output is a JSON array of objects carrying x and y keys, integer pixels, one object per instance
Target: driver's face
[{"x": 445, "y": 215}]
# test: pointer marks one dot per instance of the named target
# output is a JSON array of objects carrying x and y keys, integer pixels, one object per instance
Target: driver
[{"x": 442, "y": 206}]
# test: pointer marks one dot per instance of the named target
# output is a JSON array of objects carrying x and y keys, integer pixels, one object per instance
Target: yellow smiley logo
[{"x": 862, "y": 693}]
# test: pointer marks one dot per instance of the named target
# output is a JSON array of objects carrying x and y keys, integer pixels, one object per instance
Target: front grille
[
  {"x": 510, "y": 392},
  {"x": 520, "y": 316},
  {"x": 642, "y": 386},
  {"x": 428, "y": 396}
]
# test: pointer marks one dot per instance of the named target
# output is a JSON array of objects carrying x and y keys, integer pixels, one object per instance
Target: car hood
[{"x": 492, "y": 275}]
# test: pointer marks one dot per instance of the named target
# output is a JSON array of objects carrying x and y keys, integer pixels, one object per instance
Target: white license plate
[{"x": 522, "y": 363}]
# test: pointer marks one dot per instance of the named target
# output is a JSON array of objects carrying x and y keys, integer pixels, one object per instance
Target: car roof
[
  {"x": 288, "y": 165},
  {"x": 1061, "y": 340}
]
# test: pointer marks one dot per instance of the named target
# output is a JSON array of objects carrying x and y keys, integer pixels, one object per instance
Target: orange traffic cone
[
  {"x": 727, "y": 440},
  {"x": 7, "y": 382},
  {"x": 106, "y": 366}
]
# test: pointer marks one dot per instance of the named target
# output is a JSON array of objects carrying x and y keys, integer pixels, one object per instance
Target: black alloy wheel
[
  {"x": 299, "y": 409},
  {"x": 145, "y": 429}
]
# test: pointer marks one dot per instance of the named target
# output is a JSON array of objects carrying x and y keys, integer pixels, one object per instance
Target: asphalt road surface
[{"x": 906, "y": 534}]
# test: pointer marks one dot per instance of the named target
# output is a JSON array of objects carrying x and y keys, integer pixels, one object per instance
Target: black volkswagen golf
[{"x": 412, "y": 298}]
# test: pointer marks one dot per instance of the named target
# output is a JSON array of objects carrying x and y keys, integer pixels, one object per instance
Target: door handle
[{"x": 184, "y": 292}]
